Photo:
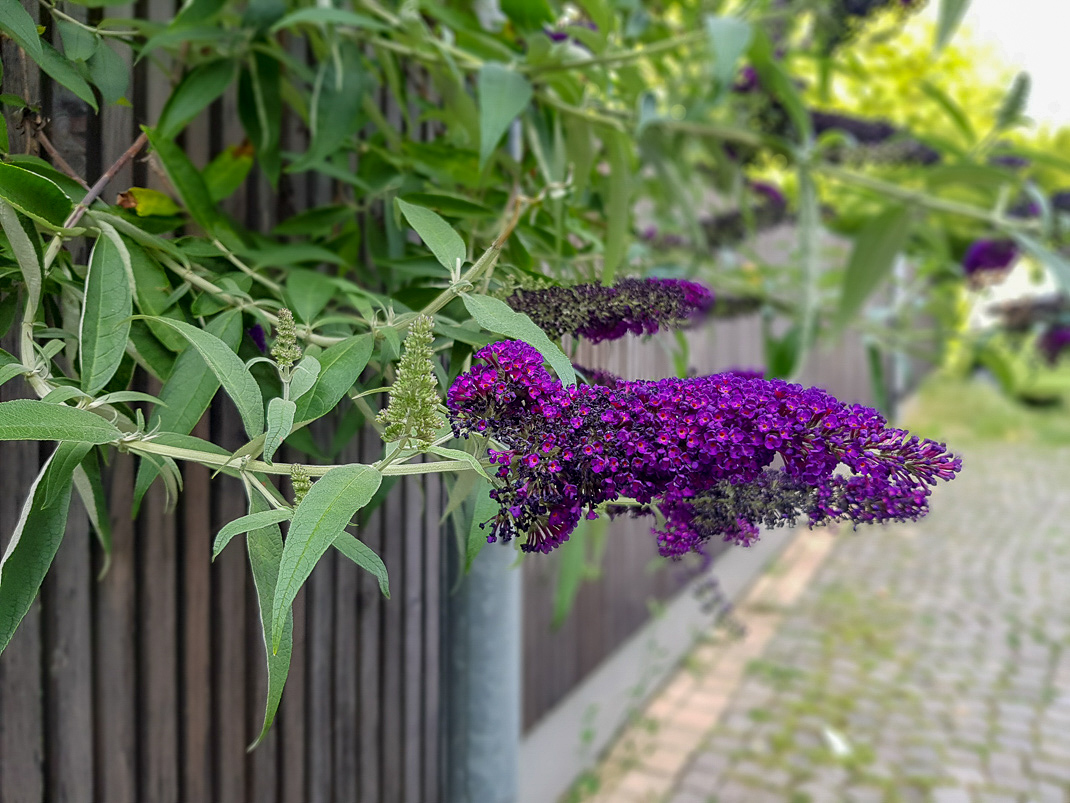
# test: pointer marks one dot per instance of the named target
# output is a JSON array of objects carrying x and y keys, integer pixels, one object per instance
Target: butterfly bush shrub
[{"x": 585, "y": 170}]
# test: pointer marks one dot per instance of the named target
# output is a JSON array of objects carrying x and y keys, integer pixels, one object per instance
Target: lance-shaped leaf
[
  {"x": 33, "y": 420},
  {"x": 280, "y": 420},
  {"x": 363, "y": 555},
  {"x": 265, "y": 553},
  {"x": 322, "y": 515},
  {"x": 340, "y": 367},
  {"x": 485, "y": 510},
  {"x": 438, "y": 235},
  {"x": 187, "y": 393},
  {"x": 25, "y": 244},
  {"x": 872, "y": 259},
  {"x": 188, "y": 181},
  {"x": 63, "y": 71},
  {"x": 106, "y": 309},
  {"x": 730, "y": 38},
  {"x": 253, "y": 521},
  {"x": 949, "y": 16},
  {"x": 503, "y": 94},
  {"x": 17, "y": 23},
  {"x": 34, "y": 195},
  {"x": 32, "y": 547},
  {"x": 65, "y": 461},
  {"x": 229, "y": 369},
  {"x": 495, "y": 315},
  {"x": 90, "y": 487},
  {"x": 195, "y": 92},
  {"x": 304, "y": 377}
]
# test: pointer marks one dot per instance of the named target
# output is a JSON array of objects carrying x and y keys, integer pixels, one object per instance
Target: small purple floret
[{"x": 989, "y": 255}]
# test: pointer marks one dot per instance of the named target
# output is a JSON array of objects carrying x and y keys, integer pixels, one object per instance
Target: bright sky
[{"x": 1028, "y": 35}]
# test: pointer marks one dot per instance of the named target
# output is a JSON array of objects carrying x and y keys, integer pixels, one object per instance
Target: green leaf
[
  {"x": 308, "y": 292},
  {"x": 106, "y": 310},
  {"x": 253, "y": 521},
  {"x": 328, "y": 16},
  {"x": 187, "y": 181},
  {"x": 363, "y": 555},
  {"x": 32, "y": 546},
  {"x": 324, "y": 512},
  {"x": 17, "y": 23},
  {"x": 265, "y": 548},
  {"x": 438, "y": 235},
  {"x": 280, "y": 420},
  {"x": 187, "y": 393},
  {"x": 195, "y": 92},
  {"x": 228, "y": 171},
  {"x": 149, "y": 203},
  {"x": 779, "y": 84},
  {"x": 34, "y": 195},
  {"x": 229, "y": 369},
  {"x": 874, "y": 253},
  {"x": 260, "y": 110},
  {"x": 618, "y": 205},
  {"x": 503, "y": 94},
  {"x": 67, "y": 457},
  {"x": 78, "y": 43},
  {"x": 485, "y": 510},
  {"x": 336, "y": 103},
  {"x": 580, "y": 560},
  {"x": 340, "y": 367},
  {"x": 457, "y": 454},
  {"x": 90, "y": 487},
  {"x": 952, "y": 109},
  {"x": 109, "y": 72},
  {"x": 33, "y": 420},
  {"x": 304, "y": 377},
  {"x": 949, "y": 16},
  {"x": 52, "y": 62},
  {"x": 729, "y": 37},
  {"x": 22, "y": 237},
  {"x": 1013, "y": 106},
  {"x": 495, "y": 315}
]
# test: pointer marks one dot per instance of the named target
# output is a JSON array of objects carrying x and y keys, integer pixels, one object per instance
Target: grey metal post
[{"x": 483, "y": 681}]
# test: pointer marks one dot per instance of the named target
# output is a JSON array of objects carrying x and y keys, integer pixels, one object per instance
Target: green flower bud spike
[
  {"x": 414, "y": 399},
  {"x": 301, "y": 482},
  {"x": 285, "y": 350}
]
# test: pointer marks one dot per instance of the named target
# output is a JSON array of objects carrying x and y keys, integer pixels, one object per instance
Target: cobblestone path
[{"x": 927, "y": 662}]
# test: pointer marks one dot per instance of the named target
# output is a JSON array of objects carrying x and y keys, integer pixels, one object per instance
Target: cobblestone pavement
[{"x": 924, "y": 662}]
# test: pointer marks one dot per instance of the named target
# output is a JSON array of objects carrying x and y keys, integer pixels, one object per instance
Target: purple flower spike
[
  {"x": 989, "y": 255},
  {"x": 698, "y": 451},
  {"x": 257, "y": 335},
  {"x": 631, "y": 306}
]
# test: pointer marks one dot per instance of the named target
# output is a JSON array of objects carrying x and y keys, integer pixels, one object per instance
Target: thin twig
[{"x": 57, "y": 158}]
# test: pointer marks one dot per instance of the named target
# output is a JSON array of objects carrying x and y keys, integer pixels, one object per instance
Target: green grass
[{"x": 963, "y": 411}]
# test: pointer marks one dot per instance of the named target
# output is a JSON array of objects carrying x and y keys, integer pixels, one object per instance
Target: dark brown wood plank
[
  {"x": 67, "y": 647},
  {"x": 228, "y": 613},
  {"x": 371, "y": 647},
  {"x": 346, "y": 724},
  {"x": 411, "y": 599},
  {"x": 158, "y": 731},
  {"x": 115, "y": 677},
  {"x": 196, "y": 556},
  {"x": 434, "y": 567}
]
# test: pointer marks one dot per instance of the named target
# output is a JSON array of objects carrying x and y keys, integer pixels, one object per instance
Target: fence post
[{"x": 483, "y": 632}]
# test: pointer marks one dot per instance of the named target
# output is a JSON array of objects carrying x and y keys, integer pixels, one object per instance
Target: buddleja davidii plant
[{"x": 83, "y": 403}]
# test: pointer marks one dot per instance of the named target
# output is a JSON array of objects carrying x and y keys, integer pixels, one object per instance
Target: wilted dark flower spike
[
  {"x": 597, "y": 312},
  {"x": 285, "y": 350},
  {"x": 414, "y": 399},
  {"x": 685, "y": 446}
]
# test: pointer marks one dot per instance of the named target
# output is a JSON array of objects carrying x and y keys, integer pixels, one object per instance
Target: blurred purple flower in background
[
  {"x": 698, "y": 450},
  {"x": 1054, "y": 342},
  {"x": 257, "y": 335},
  {"x": 989, "y": 255}
]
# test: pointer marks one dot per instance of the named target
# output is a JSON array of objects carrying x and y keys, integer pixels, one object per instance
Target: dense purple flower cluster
[
  {"x": 699, "y": 450},
  {"x": 1054, "y": 341},
  {"x": 989, "y": 255},
  {"x": 631, "y": 306},
  {"x": 883, "y": 141}
]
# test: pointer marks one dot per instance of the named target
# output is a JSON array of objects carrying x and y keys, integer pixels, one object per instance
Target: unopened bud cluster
[
  {"x": 414, "y": 399},
  {"x": 285, "y": 350}
]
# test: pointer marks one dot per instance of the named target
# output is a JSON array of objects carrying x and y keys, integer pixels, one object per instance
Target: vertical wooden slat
[
  {"x": 114, "y": 657},
  {"x": 393, "y": 525},
  {"x": 262, "y": 764},
  {"x": 413, "y": 639},
  {"x": 228, "y": 612},
  {"x": 196, "y": 613},
  {"x": 68, "y": 640},
  {"x": 158, "y": 738},
  {"x": 434, "y": 565},
  {"x": 320, "y": 681},
  {"x": 371, "y": 646},
  {"x": 346, "y": 709}
]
